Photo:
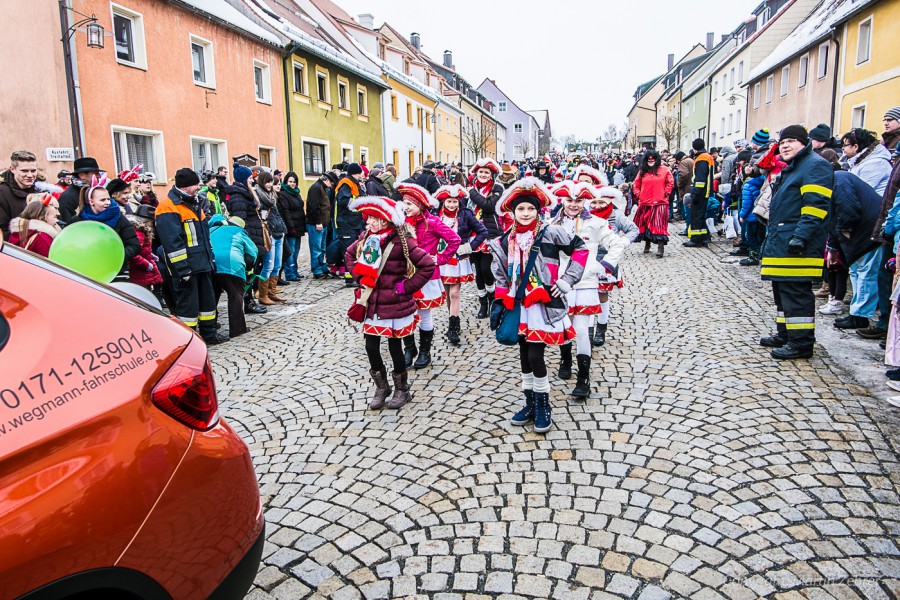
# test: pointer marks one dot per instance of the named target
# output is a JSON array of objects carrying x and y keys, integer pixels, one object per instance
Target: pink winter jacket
[{"x": 429, "y": 231}]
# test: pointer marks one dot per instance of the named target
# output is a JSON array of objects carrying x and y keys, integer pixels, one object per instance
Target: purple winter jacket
[
  {"x": 430, "y": 230},
  {"x": 385, "y": 302}
]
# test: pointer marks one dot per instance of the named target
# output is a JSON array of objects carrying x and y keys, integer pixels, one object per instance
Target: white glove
[
  {"x": 464, "y": 249},
  {"x": 562, "y": 287}
]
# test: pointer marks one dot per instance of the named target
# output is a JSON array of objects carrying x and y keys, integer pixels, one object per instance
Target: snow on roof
[
  {"x": 810, "y": 31},
  {"x": 409, "y": 81},
  {"x": 539, "y": 115},
  {"x": 225, "y": 12}
]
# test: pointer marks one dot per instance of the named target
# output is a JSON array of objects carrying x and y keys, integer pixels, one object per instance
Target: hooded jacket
[
  {"x": 874, "y": 168},
  {"x": 37, "y": 239},
  {"x": 142, "y": 269},
  {"x": 183, "y": 231},
  {"x": 729, "y": 155},
  {"x": 386, "y": 302},
  {"x": 235, "y": 252},
  {"x": 241, "y": 203},
  {"x": 854, "y": 209},
  {"x": 801, "y": 199},
  {"x": 12, "y": 201},
  {"x": 348, "y": 222},
  {"x": 318, "y": 205}
]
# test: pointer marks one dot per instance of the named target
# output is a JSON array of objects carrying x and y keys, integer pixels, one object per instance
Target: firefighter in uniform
[
  {"x": 701, "y": 188},
  {"x": 184, "y": 234},
  {"x": 792, "y": 256}
]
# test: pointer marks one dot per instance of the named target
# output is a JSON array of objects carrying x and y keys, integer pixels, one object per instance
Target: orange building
[{"x": 176, "y": 86}]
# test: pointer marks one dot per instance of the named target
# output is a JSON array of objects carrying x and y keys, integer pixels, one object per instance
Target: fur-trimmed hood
[{"x": 34, "y": 225}]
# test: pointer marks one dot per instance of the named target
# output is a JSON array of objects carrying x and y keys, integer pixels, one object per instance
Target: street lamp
[
  {"x": 93, "y": 29},
  {"x": 734, "y": 97},
  {"x": 95, "y": 34}
]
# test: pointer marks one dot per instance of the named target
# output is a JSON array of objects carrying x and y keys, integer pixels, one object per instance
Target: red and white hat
[
  {"x": 584, "y": 191},
  {"x": 486, "y": 163},
  {"x": 598, "y": 177},
  {"x": 446, "y": 192},
  {"x": 529, "y": 188},
  {"x": 418, "y": 194},
  {"x": 381, "y": 208},
  {"x": 563, "y": 189},
  {"x": 610, "y": 193}
]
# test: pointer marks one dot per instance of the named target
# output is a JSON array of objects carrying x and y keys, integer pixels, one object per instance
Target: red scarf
[
  {"x": 448, "y": 214},
  {"x": 413, "y": 221},
  {"x": 524, "y": 228},
  {"x": 484, "y": 189},
  {"x": 603, "y": 213}
]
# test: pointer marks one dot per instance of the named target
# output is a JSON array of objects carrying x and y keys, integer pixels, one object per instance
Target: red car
[{"x": 118, "y": 478}]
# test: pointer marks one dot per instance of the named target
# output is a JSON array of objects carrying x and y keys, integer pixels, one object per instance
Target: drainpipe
[
  {"x": 287, "y": 103},
  {"x": 709, "y": 101},
  {"x": 834, "y": 74},
  {"x": 68, "y": 59}
]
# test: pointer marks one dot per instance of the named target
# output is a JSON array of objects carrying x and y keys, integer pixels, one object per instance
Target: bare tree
[
  {"x": 525, "y": 144},
  {"x": 478, "y": 139},
  {"x": 669, "y": 128}
]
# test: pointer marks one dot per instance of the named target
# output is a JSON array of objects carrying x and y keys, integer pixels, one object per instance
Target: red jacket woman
[{"x": 652, "y": 189}]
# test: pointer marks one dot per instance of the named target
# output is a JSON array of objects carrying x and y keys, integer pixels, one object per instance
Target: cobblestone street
[{"x": 699, "y": 468}]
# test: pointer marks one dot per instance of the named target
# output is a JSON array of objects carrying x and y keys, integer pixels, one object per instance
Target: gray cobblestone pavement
[{"x": 699, "y": 467}]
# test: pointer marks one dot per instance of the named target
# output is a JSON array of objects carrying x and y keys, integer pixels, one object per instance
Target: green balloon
[{"x": 91, "y": 248}]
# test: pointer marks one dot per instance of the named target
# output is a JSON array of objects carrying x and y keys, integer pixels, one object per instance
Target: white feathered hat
[
  {"x": 529, "y": 187},
  {"x": 598, "y": 177},
  {"x": 381, "y": 208},
  {"x": 608, "y": 192},
  {"x": 450, "y": 191},
  {"x": 486, "y": 163},
  {"x": 417, "y": 194}
]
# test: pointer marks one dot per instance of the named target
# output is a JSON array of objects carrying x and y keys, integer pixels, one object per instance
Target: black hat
[
  {"x": 429, "y": 164},
  {"x": 820, "y": 133},
  {"x": 116, "y": 185},
  {"x": 330, "y": 177},
  {"x": 354, "y": 169},
  {"x": 796, "y": 132},
  {"x": 185, "y": 177},
  {"x": 86, "y": 164},
  {"x": 698, "y": 144},
  {"x": 63, "y": 174}
]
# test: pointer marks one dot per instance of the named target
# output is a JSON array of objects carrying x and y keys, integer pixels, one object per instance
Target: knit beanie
[
  {"x": 354, "y": 169},
  {"x": 893, "y": 113},
  {"x": 116, "y": 185},
  {"x": 761, "y": 137},
  {"x": 241, "y": 173},
  {"x": 186, "y": 178},
  {"x": 698, "y": 144},
  {"x": 820, "y": 133},
  {"x": 795, "y": 132}
]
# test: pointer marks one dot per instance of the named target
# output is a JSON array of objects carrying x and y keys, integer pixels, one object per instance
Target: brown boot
[
  {"x": 272, "y": 289},
  {"x": 822, "y": 292},
  {"x": 264, "y": 292},
  {"x": 736, "y": 243},
  {"x": 273, "y": 286},
  {"x": 401, "y": 390},
  {"x": 382, "y": 389},
  {"x": 660, "y": 250}
]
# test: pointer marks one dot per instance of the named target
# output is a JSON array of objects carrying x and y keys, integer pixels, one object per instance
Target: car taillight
[{"x": 187, "y": 392}]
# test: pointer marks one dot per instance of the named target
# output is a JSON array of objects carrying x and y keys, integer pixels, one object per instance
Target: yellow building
[
  {"x": 869, "y": 79},
  {"x": 447, "y": 141}
]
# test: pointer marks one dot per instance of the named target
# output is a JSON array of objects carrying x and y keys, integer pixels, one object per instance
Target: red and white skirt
[
  {"x": 583, "y": 302},
  {"x": 534, "y": 327},
  {"x": 611, "y": 283},
  {"x": 391, "y": 328},
  {"x": 459, "y": 273},
  {"x": 433, "y": 295}
]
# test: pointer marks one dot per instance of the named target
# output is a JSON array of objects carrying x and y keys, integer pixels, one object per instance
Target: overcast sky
[{"x": 581, "y": 60}]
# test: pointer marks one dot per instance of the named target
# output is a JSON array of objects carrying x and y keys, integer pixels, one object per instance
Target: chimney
[
  {"x": 448, "y": 59},
  {"x": 670, "y": 62},
  {"x": 709, "y": 40},
  {"x": 724, "y": 37},
  {"x": 366, "y": 20},
  {"x": 415, "y": 40}
]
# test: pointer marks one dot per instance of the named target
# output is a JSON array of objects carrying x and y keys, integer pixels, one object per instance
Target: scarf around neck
[
  {"x": 603, "y": 213},
  {"x": 109, "y": 216},
  {"x": 370, "y": 255}
]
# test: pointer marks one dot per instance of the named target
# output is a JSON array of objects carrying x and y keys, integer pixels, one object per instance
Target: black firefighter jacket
[
  {"x": 184, "y": 234},
  {"x": 801, "y": 199}
]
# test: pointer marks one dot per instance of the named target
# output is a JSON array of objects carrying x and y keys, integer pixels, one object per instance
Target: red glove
[{"x": 508, "y": 302}]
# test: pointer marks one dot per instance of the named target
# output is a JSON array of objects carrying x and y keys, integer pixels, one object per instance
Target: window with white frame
[
  {"x": 822, "y": 66},
  {"x": 722, "y": 128},
  {"x": 517, "y": 128},
  {"x": 202, "y": 62},
  {"x": 342, "y": 95},
  {"x": 756, "y": 96},
  {"x": 724, "y": 83},
  {"x": 687, "y": 109},
  {"x": 741, "y": 72},
  {"x": 712, "y": 142},
  {"x": 730, "y": 122},
  {"x": 502, "y": 106},
  {"x": 207, "y": 154},
  {"x": 803, "y": 73},
  {"x": 785, "y": 79},
  {"x": 864, "y": 41},
  {"x": 362, "y": 102},
  {"x": 139, "y": 147},
  {"x": 858, "y": 116},
  {"x": 262, "y": 82},
  {"x": 731, "y": 79},
  {"x": 128, "y": 31},
  {"x": 322, "y": 87},
  {"x": 770, "y": 88},
  {"x": 300, "y": 79},
  {"x": 738, "y": 123},
  {"x": 313, "y": 159}
]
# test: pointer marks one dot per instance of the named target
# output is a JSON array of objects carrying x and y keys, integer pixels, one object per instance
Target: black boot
[
  {"x": 565, "y": 361},
  {"x": 252, "y": 308},
  {"x": 647, "y": 246},
  {"x": 482, "y": 307},
  {"x": 774, "y": 341},
  {"x": 583, "y": 383},
  {"x": 526, "y": 415},
  {"x": 409, "y": 349},
  {"x": 424, "y": 359},
  {"x": 453, "y": 331},
  {"x": 543, "y": 417},
  {"x": 599, "y": 337},
  {"x": 791, "y": 352},
  {"x": 590, "y": 333}
]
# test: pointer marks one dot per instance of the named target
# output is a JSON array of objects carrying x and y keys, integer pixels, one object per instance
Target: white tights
[
  {"x": 582, "y": 337},
  {"x": 427, "y": 322}
]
